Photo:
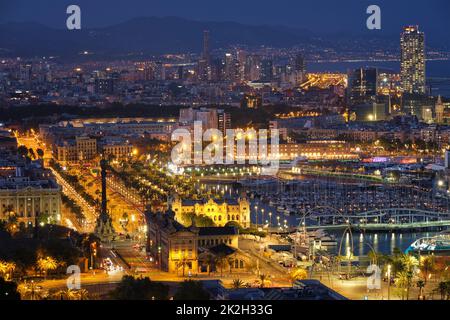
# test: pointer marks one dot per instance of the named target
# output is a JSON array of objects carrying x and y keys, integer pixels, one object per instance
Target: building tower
[
  {"x": 104, "y": 228},
  {"x": 204, "y": 63},
  {"x": 205, "y": 54},
  {"x": 266, "y": 70},
  {"x": 299, "y": 68},
  {"x": 362, "y": 86},
  {"x": 412, "y": 69},
  {"x": 439, "y": 110},
  {"x": 299, "y": 63}
]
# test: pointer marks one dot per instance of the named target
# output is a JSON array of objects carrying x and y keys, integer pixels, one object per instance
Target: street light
[
  {"x": 388, "y": 273},
  {"x": 159, "y": 256}
]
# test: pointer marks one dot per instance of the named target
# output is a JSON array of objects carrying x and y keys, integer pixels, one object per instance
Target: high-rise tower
[
  {"x": 362, "y": 86},
  {"x": 412, "y": 71},
  {"x": 205, "y": 54},
  {"x": 299, "y": 63}
]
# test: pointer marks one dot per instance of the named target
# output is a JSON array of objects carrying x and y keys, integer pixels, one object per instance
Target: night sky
[{"x": 319, "y": 16}]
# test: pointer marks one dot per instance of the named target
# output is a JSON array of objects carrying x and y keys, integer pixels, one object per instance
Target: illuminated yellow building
[
  {"x": 119, "y": 151},
  {"x": 317, "y": 150},
  {"x": 29, "y": 199},
  {"x": 178, "y": 249},
  {"x": 82, "y": 148},
  {"x": 171, "y": 243},
  {"x": 219, "y": 211}
]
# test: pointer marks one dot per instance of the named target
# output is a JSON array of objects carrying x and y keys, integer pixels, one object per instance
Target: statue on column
[{"x": 104, "y": 228}]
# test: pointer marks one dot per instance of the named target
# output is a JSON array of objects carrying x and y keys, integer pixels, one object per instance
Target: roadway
[
  {"x": 33, "y": 142},
  {"x": 89, "y": 212}
]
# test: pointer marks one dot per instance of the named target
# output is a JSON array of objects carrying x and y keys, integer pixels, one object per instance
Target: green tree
[
  {"x": 238, "y": 283},
  {"x": 131, "y": 288},
  {"x": 40, "y": 153},
  {"x": 427, "y": 267},
  {"x": 31, "y": 153},
  {"x": 47, "y": 264},
  {"x": 182, "y": 264},
  {"x": 374, "y": 257},
  {"x": 420, "y": 284},
  {"x": 262, "y": 279},
  {"x": 221, "y": 261},
  {"x": 298, "y": 274},
  {"x": 191, "y": 290},
  {"x": 210, "y": 261},
  {"x": 404, "y": 282},
  {"x": 443, "y": 288},
  {"x": 22, "y": 151}
]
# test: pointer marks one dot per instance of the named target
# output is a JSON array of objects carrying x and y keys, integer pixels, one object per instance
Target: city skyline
[{"x": 198, "y": 158}]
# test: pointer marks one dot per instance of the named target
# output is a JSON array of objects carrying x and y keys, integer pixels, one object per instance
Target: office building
[{"x": 362, "y": 86}]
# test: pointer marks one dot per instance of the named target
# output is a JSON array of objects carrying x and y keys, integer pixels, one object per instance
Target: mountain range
[{"x": 154, "y": 35}]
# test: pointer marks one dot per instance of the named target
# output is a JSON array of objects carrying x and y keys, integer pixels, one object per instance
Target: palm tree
[
  {"x": 83, "y": 294},
  {"x": 47, "y": 264},
  {"x": 182, "y": 263},
  {"x": 397, "y": 264},
  {"x": 298, "y": 274},
  {"x": 238, "y": 283},
  {"x": 373, "y": 256},
  {"x": 32, "y": 154},
  {"x": 409, "y": 262},
  {"x": 29, "y": 292},
  {"x": 221, "y": 261},
  {"x": 40, "y": 153},
  {"x": 71, "y": 294},
  {"x": 443, "y": 288},
  {"x": 60, "y": 295},
  {"x": 420, "y": 284},
  {"x": 22, "y": 151},
  {"x": 404, "y": 281},
  {"x": 427, "y": 267},
  {"x": 262, "y": 278},
  {"x": 7, "y": 269},
  {"x": 11, "y": 222}
]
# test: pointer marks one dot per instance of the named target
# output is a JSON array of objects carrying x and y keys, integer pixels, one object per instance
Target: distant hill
[{"x": 149, "y": 35}]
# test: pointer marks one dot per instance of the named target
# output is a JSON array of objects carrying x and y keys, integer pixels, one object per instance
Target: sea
[{"x": 437, "y": 71}]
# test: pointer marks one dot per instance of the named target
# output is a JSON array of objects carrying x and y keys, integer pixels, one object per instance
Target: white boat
[{"x": 328, "y": 241}]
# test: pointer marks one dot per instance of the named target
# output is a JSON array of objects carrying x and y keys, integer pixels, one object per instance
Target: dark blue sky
[{"x": 321, "y": 16}]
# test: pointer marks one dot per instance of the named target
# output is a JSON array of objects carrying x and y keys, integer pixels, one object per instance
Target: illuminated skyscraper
[
  {"x": 229, "y": 67},
  {"x": 299, "y": 68},
  {"x": 266, "y": 70},
  {"x": 362, "y": 86},
  {"x": 252, "y": 69},
  {"x": 299, "y": 63},
  {"x": 412, "y": 44}
]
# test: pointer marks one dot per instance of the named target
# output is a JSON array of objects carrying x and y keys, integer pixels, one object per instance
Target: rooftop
[{"x": 218, "y": 231}]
